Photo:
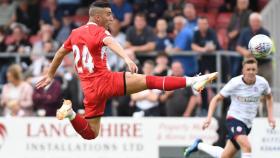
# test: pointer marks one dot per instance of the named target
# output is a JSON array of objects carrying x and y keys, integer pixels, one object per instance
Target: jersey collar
[{"x": 90, "y": 23}]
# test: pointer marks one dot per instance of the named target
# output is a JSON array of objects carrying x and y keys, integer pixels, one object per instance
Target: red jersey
[
  {"x": 90, "y": 57},
  {"x": 98, "y": 84}
]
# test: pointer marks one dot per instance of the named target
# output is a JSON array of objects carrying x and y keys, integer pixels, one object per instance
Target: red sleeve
[
  {"x": 103, "y": 34},
  {"x": 67, "y": 44}
]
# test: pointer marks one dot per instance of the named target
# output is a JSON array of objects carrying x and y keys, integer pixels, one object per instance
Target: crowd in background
[{"x": 162, "y": 28}]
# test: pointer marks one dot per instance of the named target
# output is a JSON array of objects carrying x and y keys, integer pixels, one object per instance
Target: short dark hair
[
  {"x": 162, "y": 54},
  {"x": 203, "y": 17},
  {"x": 141, "y": 14},
  {"x": 100, "y": 4},
  {"x": 250, "y": 60},
  {"x": 150, "y": 62}
]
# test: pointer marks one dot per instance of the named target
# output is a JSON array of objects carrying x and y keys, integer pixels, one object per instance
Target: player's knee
[
  {"x": 245, "y": 147},
  {"x": 90, "y": 134}
]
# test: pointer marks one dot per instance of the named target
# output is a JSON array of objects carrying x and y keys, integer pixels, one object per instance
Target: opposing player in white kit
[{"x": 245, "y": 92}]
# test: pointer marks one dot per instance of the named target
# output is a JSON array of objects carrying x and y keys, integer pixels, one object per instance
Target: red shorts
[{"x": 98, "y": 89}]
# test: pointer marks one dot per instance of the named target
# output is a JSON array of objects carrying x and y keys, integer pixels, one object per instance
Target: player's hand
[
  {"x": 272, "y": 122},
  {"x": 46, "y": 80},
  {"x": 131, "y": 65},
  {"x": 206, "y": 123}
]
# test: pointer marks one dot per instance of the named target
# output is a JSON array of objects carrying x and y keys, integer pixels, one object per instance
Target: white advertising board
[{"x": 118, "y": 138}]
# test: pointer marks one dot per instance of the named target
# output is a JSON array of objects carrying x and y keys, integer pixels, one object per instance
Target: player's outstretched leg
[
  {"x": 138, "y": 82},
  {"x": 192, "y": 148},
  {"x": 198, "y": 83},
  {"x": 81, "y": 125}
]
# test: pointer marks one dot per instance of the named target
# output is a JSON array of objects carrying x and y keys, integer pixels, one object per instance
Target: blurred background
[{"x": 164, "y": 37}]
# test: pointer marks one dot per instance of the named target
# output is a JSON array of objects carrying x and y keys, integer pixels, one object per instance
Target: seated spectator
[
  {"x": 239, "y": 20},
  {"x": 19, "y": 43},
  {"x": 114, "y": 61},
  {"x": 7, "y": 8},
  {"x": 140, "y": 37},
  {"x": 28, "y": 14},
  {"x": 47, "y": 100},
  {"x": 180, "y": 102},
  {"x": 161, "y": 68},
  {"x": 146, "y": 101},
  {"x": 182, "y": 42},
  {"x": 264, "y": 64},
  {"x": 51, "y": 14},
  {"x": 162, "y": 40},
  {"x": 16, "y": 95},
  {"x": 122, "y": 11}
]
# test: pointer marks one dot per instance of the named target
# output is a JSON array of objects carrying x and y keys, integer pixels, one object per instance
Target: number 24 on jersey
[{"x": 83, "y": 61}]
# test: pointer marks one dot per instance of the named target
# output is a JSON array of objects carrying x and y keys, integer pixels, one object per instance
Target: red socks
[
  {"x": 166, "y": 83},
  {"x": 82, "y": 127}
]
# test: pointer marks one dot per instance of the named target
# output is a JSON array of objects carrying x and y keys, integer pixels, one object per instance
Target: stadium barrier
[
  {"x": 218, "y": 54},
  {"x": 121, "y": 138}
]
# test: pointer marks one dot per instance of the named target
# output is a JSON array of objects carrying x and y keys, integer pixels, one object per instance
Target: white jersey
[{"x": 245, "y": 98}]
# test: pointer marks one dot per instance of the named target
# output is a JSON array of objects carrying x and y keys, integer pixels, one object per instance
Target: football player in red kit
[{"x": 89, "y": 43}]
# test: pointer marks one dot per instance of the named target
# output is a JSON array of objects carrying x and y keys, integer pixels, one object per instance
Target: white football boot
[
  {"x": 200, "y": 82},
  {"x": 65, "y": 111}
]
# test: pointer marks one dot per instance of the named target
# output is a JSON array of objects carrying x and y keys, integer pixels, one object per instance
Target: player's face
[
  {"x": 249, "y": 73},
  {"x": 106, "y": 18}
]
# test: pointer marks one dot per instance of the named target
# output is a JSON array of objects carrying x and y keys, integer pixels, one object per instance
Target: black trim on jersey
[{"x": 124, "y": 83}]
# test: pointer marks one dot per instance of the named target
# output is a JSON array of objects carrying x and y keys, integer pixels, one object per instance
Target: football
[{"x": 260, "y": 46}]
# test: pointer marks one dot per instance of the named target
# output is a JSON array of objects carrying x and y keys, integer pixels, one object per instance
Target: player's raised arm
[
  {"x": 269, "y": 106},
  {"x": 211, "y": 110},
  {"x": 59, "y": 55},
  {"x": 116, "y": 47}
]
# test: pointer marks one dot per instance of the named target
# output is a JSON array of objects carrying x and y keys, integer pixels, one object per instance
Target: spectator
[
  {"x": 264, "y": 64},
  {"x": 154, "y": 10},
  {"x": 7, "y": 8},
  {"x": 239, "y": 20},
  {"x": 19, "y": 43},
  {"x": 3, "y": 45},
  {"x": 67, "y": 26},
  {"x": 175, "y": 8},
  {"x": 46, "y": 43},
  {"x": 114, "y": 61},
  {"x": 69, "y": 5},
  {"x": 179, "y": 102},
  {"x": 161, "y": 68},
  {"x": 16, "y": 96},
  {"x": 122, "y": 12},
  {"x": 140, "y": 37},
  {"x": 147, "y": 101},
  {"x": 51, "y": 14},
  {"x": 47, "y": 100},
  {"x": 182, "y": 42},
  {"x": 162, "y": 40},
  {"x": 190, "y": 14},
  {"x": 205, "y": 42},
  {"x": 28, "y": 14}
]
